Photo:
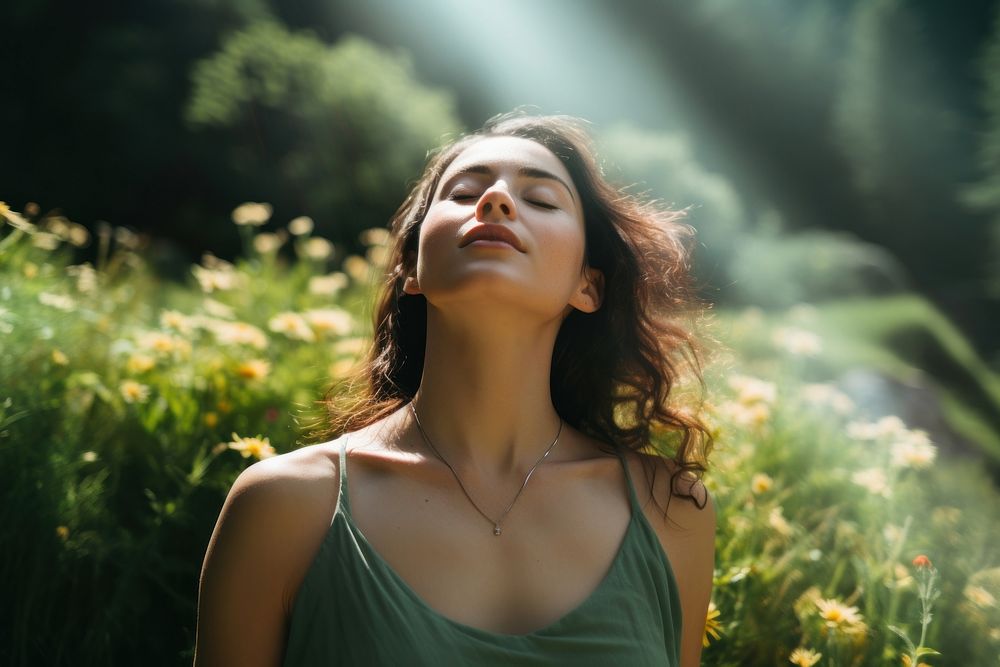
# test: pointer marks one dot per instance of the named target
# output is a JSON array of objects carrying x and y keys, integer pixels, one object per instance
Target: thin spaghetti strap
[
  {"x": 343, "y": 501},
  {"x": 628, "y": 478}
]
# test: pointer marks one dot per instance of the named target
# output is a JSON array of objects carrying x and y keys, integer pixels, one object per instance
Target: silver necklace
[{"x": 495, "y": 522}]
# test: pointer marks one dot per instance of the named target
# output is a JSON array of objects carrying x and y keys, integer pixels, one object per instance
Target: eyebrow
[{"x": 530, "y": 172}]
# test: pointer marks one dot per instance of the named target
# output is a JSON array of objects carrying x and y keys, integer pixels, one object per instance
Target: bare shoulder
[
  {"x": 269, "y": 529},
  {"x": 687, "y": 536},
  {"x": 690, "y": 504}
]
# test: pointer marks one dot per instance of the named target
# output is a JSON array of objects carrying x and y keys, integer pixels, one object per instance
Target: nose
[{"x": 495, "y": 205}]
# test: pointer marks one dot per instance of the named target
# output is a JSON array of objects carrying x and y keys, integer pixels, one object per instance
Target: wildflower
[
  {"x": 815, "y": 554},
  {"x": 330, "y": 320},
  {"x": 822, "y": 394},
  {"x": 259, "y": 448},
  {"x": 133, "y": 392},
  {"x": 804, "y": 657},
  {"x": 239, "y": 333},
  {"x": 301, "y": 225},
  {"x": 752, "y": 390},
  {"x": 139, "y": 363},
  {"x": 224, "y": 406},
  {"x": 86, "y": 277},
  {"x": 216, "y": 279},
  {"x": 45, "y": 241},
  {"x": 979, "y": 596},
  {"x": 761, "y": 483},
  {"x": 59, "y": 358},
  {"x": 357, "y": 268},
  {"x": 777, "y": 521},
  {"x": 712, "y": 626},
  {"x": 211, "y": 419},
  {"x": 30, "y": 270},
  {"x": 376, "y": 236},
  {"x": 253, "y": 369},
  {"x": 922, "y": 562},
  {"x": 797, "y": 342},
  {"x": 328, "y": 285},
  {"x": 62, "y": 532},
  {"x": 874, "y": 480},
  {"x": 160, "y": 343},
  {"x": 317, "y": 248},
  {"x": 252, "y": 214},
  {"x": 265, "y": 243},
  {"x": 217, "y": 309},
  {"x": 748, "y": 415},
  {"x": 907, "y": 662},
  {"x": 292, "y": 325},
  {"x": 59, "y": 301},
  {"x": 890, "y": 425},
  {"x": 377, "y": 255},
  {"x": 176, "y": 320},
  {"x": 89, "y": 457},
  {"x": 913, "y": 450},
  {"x": 350, "y": 346},
  {"x": 902, "y": 577},
  {"x": 840, "y": 617}
]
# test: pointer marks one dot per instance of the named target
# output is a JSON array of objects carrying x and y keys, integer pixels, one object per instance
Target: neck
[{"x": 484, "y": 398}]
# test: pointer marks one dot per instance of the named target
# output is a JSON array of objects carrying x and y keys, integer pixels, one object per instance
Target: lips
[{"x": 492, "y": 232}]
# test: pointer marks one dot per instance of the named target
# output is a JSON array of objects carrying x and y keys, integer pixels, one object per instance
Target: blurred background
[{"x": 839, "y": 160}]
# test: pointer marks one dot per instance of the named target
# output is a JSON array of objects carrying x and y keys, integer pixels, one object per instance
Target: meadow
[{"x": 129, "y": 403}]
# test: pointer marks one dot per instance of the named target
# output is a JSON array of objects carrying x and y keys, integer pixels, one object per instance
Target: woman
[{"x": 480, "y": 508}]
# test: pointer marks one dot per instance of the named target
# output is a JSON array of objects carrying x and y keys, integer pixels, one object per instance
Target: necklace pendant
[{"x": 496, "y": 529}]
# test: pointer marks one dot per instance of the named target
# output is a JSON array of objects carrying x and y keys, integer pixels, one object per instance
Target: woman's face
[{"x": 505, "y": 227}]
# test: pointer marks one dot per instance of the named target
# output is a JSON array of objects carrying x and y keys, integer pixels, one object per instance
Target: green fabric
[{"x": 353, "y": 609}]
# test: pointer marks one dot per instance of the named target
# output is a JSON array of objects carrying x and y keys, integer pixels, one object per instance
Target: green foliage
[
  {"x": 343, "y": 127},
  {"x": 755, "y": 261}
]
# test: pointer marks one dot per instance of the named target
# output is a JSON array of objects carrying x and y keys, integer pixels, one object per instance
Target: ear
[
  {"x": 410, "y": 283},
  {"x": 589, "y": 293}
]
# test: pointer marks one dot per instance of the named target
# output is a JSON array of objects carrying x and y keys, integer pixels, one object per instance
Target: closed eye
[
  {"x": 541, "y": 204},
  {"x": 460, "y": 197}
]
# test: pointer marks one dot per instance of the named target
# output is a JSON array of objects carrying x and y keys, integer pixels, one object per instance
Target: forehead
[{"x": 502, "y": 153}]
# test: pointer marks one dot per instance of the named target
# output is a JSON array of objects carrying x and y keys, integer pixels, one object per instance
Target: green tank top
[{"x": 354, "y": 609}]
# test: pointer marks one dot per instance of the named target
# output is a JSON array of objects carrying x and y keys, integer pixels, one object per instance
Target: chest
[{"x": 559, "y": 540}]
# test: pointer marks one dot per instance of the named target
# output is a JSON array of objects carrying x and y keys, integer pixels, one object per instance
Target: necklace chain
[{"x": 495, "y": 522}]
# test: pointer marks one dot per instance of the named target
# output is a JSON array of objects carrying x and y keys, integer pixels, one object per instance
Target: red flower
[{"x": 922, "y": 562}]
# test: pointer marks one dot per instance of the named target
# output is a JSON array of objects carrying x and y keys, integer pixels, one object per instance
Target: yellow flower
[
  {"x": 979, "y": 596},
  {"x": 211, "y": 419},
  {"x": 357, "y": 268},
  {"x": 328, "y": 285},
  {"x": 62, "y": 532},
  {"x": 840, "y": 617},
  {"x": 376, "y": 236},
  {"x": 252, "y": 213},
  {"x": 777, "y": 521},
  {"x": 907, "y": 662},
  {"x": 330, "y": 320},
  {"x": 173, "y": 319},
  {"x": 58, "y": 357},
  {"x": 804, "y": 657},
  {"x": 30, "y": 270},
  {"x": 317, "y": 248},
  {"x": 292, "y": 325},
  {"x": 139, "y": 363},
  {"x": 239, "y": 333},
  {"x": 133, "y": 392},
  {"x": 797, "y": 342},
  {"x": 712, "y": 626},
  {"x": 301, "y": 225},
  {"x": 752, "y": 390},
  {"x": 257, "y": 447},
  {"x": 253, "y": 369},
  {"x": 761, "y": 483}
]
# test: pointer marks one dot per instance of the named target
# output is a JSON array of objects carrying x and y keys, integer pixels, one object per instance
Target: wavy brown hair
[{"x": 613, "y": 371}]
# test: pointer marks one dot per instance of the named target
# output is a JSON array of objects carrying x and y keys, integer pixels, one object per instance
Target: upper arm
[
  {"x": 688, "y": 538},
  {"x": 266, "y": 534},
  {"x": 693, "y": 559}
]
